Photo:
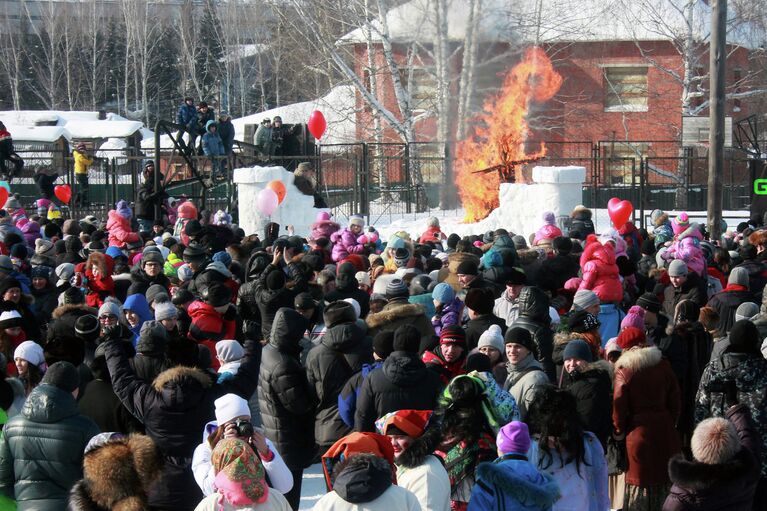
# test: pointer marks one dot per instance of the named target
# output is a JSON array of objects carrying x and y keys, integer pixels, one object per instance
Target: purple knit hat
[
  {"x": 514, "y": 437},
  {"x": 124, "y": 210},
  {"x": 549, "y": 217},
  {"x": 635, "y": 318}
]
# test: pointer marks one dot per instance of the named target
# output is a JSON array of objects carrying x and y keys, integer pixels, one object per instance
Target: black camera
[{"x": 244, "y": 428}]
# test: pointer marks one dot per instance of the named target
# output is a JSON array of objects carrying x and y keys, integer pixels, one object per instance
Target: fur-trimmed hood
[
  {"x": 595, "y": 367},
  {"x": 639, "y": 358},
  {"x": 394, "y": 311},
  {"x": 65, "y": 309},
  {"x": 695, "y": 476},
  {"x": 527, "y": 256},
  {"x": 104, "y": 263},
  {"x": 179, "y": 375},
  {"x": 534, "y": 488}
]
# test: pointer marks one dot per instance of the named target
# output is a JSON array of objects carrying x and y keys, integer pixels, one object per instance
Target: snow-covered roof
[
  {"x": 27, "y": 125},
  {"x": 243, "y": 51},
  {"x": 102, "y": 129},
  {"x": 550, "y": 21},
  {"x": 36, "y": 133}
]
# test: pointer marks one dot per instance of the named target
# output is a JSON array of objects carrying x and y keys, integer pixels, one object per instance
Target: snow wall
[{"x": 296, "y": 209}]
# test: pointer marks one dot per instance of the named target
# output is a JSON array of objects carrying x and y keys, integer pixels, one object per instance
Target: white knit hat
[
  {"x": 230, "y": 406},
  {"x": 229, "y": 350},
  {"x": 355, "y": 305},
  {"x": 31, "y": 352},
  {"x": 492, "y": 337}
]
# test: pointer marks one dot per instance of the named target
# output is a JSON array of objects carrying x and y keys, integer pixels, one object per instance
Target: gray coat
[{"x": 523, "y": 381}]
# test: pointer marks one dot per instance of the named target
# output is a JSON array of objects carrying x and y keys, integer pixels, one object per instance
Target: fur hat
[
  {"x": 492, "y": 337},
  {"x": 715, "y": 441},
  {"x": 635, "y": 318}
]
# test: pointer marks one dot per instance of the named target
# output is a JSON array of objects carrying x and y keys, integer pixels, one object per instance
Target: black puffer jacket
[
  {"x": 556, "y": 271},
  {"x": 534, "y": 317},
  {"x": 403, "y": 383},
  {"x": 147, "y": 199},
  {"x": 271, "y": 300},
  {"x": 174, "y": 409},
  {"x": 348, "y": 287},
  {"x": 726, "y": 302},
  {"x": 203, "y": 278},
  {"x": 41, "y": 451},
  {"x": 140, "y": 281},
  {"x": 342, "y": 352},
  {"x": 592, "y": 389},
  {"x": 284, "y": 396},
  {"x": 247, "y": 305}
]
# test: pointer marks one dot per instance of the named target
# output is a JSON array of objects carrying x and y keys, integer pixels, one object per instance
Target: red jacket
[
  {"x": 119, "y": 230},
  {"x": 600, "y": 273},
  {"x": 99, "y": 288},
  {"x": 432, "y": 234},
  {"x": 209, "y": 326}
]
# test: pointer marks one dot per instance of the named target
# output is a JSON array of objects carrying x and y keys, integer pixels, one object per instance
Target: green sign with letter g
[{"x": 760, "y": 187}]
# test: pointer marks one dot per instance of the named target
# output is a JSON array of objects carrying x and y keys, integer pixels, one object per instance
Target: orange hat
[
  {"x": 410, "y": 422},
  {"x": 355, "y": 443}
]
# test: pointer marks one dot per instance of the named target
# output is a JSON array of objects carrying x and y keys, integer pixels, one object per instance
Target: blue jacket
[
  {"x": 211, "y": 142},
  {"x": 511, "y": 483},
  {"x": 610, "y": 317},
  {"x": 138, "y": 304},
  {"x": 347, "y": 399},
  {"x": 226, "y": 132},
  {"x": 186, "y": 116}
]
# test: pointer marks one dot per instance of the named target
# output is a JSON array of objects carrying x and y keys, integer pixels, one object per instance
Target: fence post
[
  {"x": 408, "y": 183},
  {"x": 363, "y": 181},
  {"x": 594, "y": 174},
  {"x": 642, "y": 169}
]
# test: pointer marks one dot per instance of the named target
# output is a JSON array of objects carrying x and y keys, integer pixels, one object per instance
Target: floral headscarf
[{"x": 239, "y": 473}]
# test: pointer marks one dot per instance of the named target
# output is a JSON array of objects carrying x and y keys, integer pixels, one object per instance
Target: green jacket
[{"x": 41, "y": 451}]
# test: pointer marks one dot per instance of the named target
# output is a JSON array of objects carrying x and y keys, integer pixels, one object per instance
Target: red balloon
[
  {"x": 63, "y": 193},
  {"x": 3, "y": 195},
  {"x": 317, "y": 124},
  {"x": 619, "y": 211},
  {"x": 279, "y": 188}
]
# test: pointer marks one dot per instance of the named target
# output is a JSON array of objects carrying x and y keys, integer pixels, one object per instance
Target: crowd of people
[{"x": 174, "y": 362}]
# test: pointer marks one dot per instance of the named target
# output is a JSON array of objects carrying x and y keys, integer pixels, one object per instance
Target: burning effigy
[{"x": 495, "y": 147}]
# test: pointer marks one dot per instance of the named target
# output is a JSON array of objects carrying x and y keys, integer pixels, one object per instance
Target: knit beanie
[
  {"x": 746, "y": 310},
  {"x": 519, "y": 242},
  {"x": 649, "y": 302},
  {"x": 275, "y": 280},
  {"x": 715, "y": 441},
  {"x": 62, "y": 375},
  {"x": 401, "y": 257},
  {"x": 217, "y": 295},
  {"x": 519, "y": 335},
  {"x": 630, "y": 337},
  {"x": 44, "y": 248},
  {"x": 677, "y": 268},
  {"x": 153, "y": 338},
  {"x": 124, "y": 210},
  {"x": 152, "y": 256},
  {"x": 184, "y": 273},
  {"x": 229, "y": 350},
  {"x": 356, "y": 220},
  {"x": 513, "y": 438},
  {"x": 432, "y": 221},
  {"x": 738, "y": 276},
  {"x": 443, "y": 293},
  {"x": 154, "y": 292},
  {"x": 32, "y": 353},
  {"x": 562, "y": 245},
  {"x": 577, "y": 348},
  {"x": 467, "y": 267},
  {"x": 165, "y": 310},
  {"x": 383, "y": 343},
  {"x": 453, "y": 334},
  {"x": 492, "y": 337},
  {"x": 182, "y": 296},
  {"x": 549, "y": 217},
  {"x": 87, "y": 327},
  {"x": 582, "y": 322},
  {"x": 396, "y": 288},
  {"x": 744, "y": 338},
  {"x": 230, "y": 406},
  {"x": 223, "y": 257},
  {"x": 407, "y": 338},
  {"x": 71, "y": 296},
  {"x": 109, "y": 308},
  {"x": 480, "y": 300},
  {"x": 635, "y": 318},
  {"x": 584, "y": 299}
]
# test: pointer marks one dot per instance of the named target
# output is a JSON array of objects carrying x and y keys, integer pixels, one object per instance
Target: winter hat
[
  {"x": 513, "y": 438},
  {"x": 111, "y": 308},
  {"x": 396, "y": 288},
  {"x": 549, "y": 217},
  {"x": 584, "y": 299},
  {"x": 165, "y": 310},
  {"x": 63, "y": 375},
  {"x": 515, "y": 277},
  {"x": 578, "y": 348},
  {"x": 184, "y": 273},
  {"x": 635, "y": 318},
  {"x": 304, "y": 301},
  {"x": 680, "y": 223},
  {"x": 114, "y": 252},
  {"x": 562, "y": 245},
  {"x": 452, "y": 334},
  {"x": 686, "y": 310},
  {"x": 71, "y": 296},
  {"x": 746, "y": 310},
  {"x": 738, "y": 276},
  {"x": 275, "y": 280},
  {"x": 229, "y": 350},
  {"x": 6, "y": 264},
  {"x": 363, "y": 278},
  {"x": 19, "y": 251},
  {"x": 124, "y": 210},
  {"x": 193, "y": 228},
  {"x": 217, "y": 295},
  {"x": 383, "y": 343},
  {"x": 10, "y": 319},
  {"x": 230, "y": 406},
  {"x": 648, "y": 247},
  {"x": 154, "y": 292},
  {"x": 12, "y": 203},
  {"x": 744, "y": 338},
  {"x": 182, "y": 296},
  {"x": 677, "y": 268},
  {"x": 519, "y": 242},
  {"x": 491, "y": 337},
  {"x": 407, "y": 338},
  {"x": 649, "y": 302},
  {"x": 480, "y": 300},
  {"x": 631, "y": 337},
  {"x": 356, "y": 220},
  {"x": 153, "y": 256},
  {"x": 432, "y": 221},
  {"x": 86, "y": 326},
  {"x": 443, "y": 293},
  {"x": 355, "y": 306},
  {"x": 194, "y": 252},
  {"x": 71, "y": 227},
  {"x": 152, "y": 339},
  {"x": 519, "y": 335},
  {"x": 401, "y": 257},
  {"x": 467, "y": 267},
  {"x": 404, "y": 422},
  {"x": 581, "y": 322},
  {"x": 655, "y": 215},
  {"x": 339, "y": 312},
  {"x": 44, "y": 248},
  {"x": 612, "y": 347},
  {"x": 222, "y": 257},
  {"x": 31, "y": 352},
  {"x": 41, "y": 272},
  {"x": 715, "y": 441}
]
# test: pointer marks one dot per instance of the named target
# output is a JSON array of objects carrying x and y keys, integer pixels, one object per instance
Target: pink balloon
[
  {"x": 619, "y": 211},
  {"x": 266, "y": 201}
]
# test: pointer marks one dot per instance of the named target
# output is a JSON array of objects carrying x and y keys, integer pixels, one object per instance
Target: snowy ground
[{"x": 313, "y": 486}]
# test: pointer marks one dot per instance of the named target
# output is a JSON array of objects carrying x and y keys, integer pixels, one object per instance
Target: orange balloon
[{"x": 279, "y": 188}]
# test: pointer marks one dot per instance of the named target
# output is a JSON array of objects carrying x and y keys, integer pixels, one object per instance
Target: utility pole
[{"x": 717, "y": 66}]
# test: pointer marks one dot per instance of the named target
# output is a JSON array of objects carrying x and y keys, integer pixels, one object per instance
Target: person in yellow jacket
[{"x": 82, "y": 162}]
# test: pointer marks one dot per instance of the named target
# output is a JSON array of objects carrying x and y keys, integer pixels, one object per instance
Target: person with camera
[{"x": 233, "y": 421}]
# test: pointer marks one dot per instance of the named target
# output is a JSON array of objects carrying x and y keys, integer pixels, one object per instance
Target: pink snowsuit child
[
  {"x": 350, "y": 240},
  {"x": 323, "y": 227},
  {"x": 118, "y": 226},
  {"x": 549, "y": 230}
]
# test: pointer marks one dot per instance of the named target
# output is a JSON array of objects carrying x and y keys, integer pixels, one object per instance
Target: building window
[
  {"x": 621, "y": 163},
  {"x": 626, "y": 89},
  {"x": 423, "y": 89}
]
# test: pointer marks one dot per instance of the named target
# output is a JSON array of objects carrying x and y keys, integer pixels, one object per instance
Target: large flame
[{"x": 499, "y": 133}]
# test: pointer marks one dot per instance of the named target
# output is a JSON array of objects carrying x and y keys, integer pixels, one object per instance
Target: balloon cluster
[{"x": 270, "y": 197}]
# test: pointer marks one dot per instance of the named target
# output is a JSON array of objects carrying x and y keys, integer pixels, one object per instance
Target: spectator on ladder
[
  {"x": 82, "y": 162},
  {"x": 226, "y": 132},
  {"x": 204, "y": 114},
  {"x": 7, "y": 152},
  {"x": 264, "y": 138},
  {"x": 148, "y": 198},
  {"x": 187, "y": 117},
  {"x": 213, "y": 147},
  {"x": 280, "y": 132}
]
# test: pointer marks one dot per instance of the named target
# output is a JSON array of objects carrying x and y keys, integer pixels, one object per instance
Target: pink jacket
[
  {"x": 600, "y": 273},
  {"x": 31, "y": 232},
  {"x": 345, "y": 243},
  {"x": 688, "y": 250},
  {"x": 119, "y": 230},
  {"x": 547, "y": 232},
  {"x": 324, "y": 229}
]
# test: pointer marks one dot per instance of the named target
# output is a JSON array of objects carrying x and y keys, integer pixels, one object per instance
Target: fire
[{"x": 499, "y": 133}]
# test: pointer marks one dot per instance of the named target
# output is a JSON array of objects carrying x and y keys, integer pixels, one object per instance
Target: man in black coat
[
  {"x": 148, "y": 272},
  {"x": 285, "y": 398},
  {"x": 348, "y": 287},
  {"x": 534, "y": 317},
  {"x": 341, "y": 353},
  {"x": 687, "y": 285},
  {"x": 197, "y": 258},
  {"x": 557, "y": 270},
  {"x": 272, "y": 293},
  {"x": 469, "y": 278},
  {"x": 403, "y": 382},
  {"x": 727, "y": 301},
  {"x": 226, "y": 132},
  {"x": 148, "y": 198},
  {"x": 480, "y": 304}
]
